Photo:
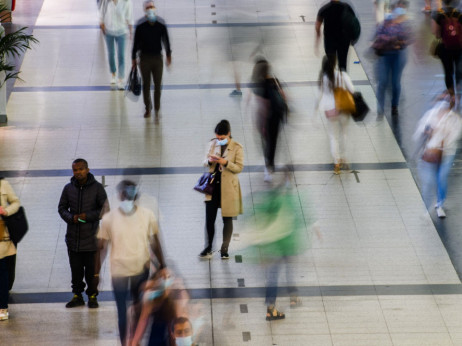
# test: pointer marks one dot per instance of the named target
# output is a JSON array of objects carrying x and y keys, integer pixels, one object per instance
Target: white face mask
[
  {"x": 185, "y": 341},
  {"x": 127, "y": 206}
]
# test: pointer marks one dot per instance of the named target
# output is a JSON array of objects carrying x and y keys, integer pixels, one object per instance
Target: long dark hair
[{"x": 328, "y": 68}]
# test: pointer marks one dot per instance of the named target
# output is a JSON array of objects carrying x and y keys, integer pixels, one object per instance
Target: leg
[
  {"x": 271, "y": 142},
  {"x": 145, "y": 69},
  {"x": 333, "y": 128},
  {"x": 342, "y": 54},
  {"x": 77, "y": 270},
  {"x": 135, "y": 293},
  {"x": 227, "y": 233},
  {"x": 448, "y": 67},
  {"x": 89, "y": 263},
  {"x": 211, "y": 209},
  {"x": 4, "y": 282},
  {"x": 398, "y": 62},
  {"x": 382, "y": 75},
  {"x": 121, "y": 56},
  {"x": 442, "y": 178},
  {"x": 11, "y": 270},
  {"x": 427, "y": 175},
  {"x": 120, "y": 288},
  {"x": 272, "y": 272},
  {"x": 111, "y": 53},
  {"x": 157, "y": 71},
  {"x": 343, "y": 120}
]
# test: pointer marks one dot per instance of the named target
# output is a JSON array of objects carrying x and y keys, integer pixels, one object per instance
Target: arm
[
  {"x": 141, "y": 326},
  {"x": 101, "y": 254},
  {"x": 436, "y": 29},
  {"x": 166, "y": 42},
  {"x": 136, "y": 43},
  {"x": 63, "y": 207},
  {"x": 13, "y": 200},
  {"x": 206, "y": 162},
  {"x": 102, "y": 12},
  {"x": 238, "y": 164},
  {"x": 317, "y": 27},
  {"x": 348, "y": 83}
]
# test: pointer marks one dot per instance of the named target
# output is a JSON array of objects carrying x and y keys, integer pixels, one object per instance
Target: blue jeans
[
  {"x": 272, "y": 273},
  {"x": 4, "y": 283},
  {"x": 111, "y": 41},
  {"x": 122, "y": 286},
  {"x": 432, "y": 174},
  {"x": 390, "y": 63}
]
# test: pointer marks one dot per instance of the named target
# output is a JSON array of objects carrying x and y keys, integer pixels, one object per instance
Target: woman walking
[{"x": 225, "y": 158}]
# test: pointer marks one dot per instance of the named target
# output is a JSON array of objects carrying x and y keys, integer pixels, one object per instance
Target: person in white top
[
  {"x": 440, "y": 128},
  {"x": 133, "y": 232},
  {"x": 116, "y": 21},
  {"x": 337, "y": 122}
]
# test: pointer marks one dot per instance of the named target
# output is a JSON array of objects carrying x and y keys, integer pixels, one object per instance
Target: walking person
[
  {"x": 391, "y": 40},
  {"x": 132, "y": 231},
  {"x": 9, "y": 204},
  {"x": 116, "y": 21},
  {"x": 271, "y": 111},
  {"x": 81, "y": 206},
  {"x": 149, "y": 38},
  {"x": 225, "y": 158},
  {"x": 447, "y": 25},
  {"x": 337, "y": 122},
  {"x": 441, "y": 127}
]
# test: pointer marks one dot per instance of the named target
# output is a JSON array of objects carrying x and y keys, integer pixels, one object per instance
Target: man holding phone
[{"x": 81, "y": 207}]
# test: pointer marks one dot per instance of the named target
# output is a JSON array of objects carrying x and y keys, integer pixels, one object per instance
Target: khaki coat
[
  {"x": 10, "y": 202},
  {"x": 231, "y": 196}
]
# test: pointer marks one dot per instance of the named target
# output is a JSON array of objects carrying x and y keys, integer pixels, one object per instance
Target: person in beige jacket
[
  {"x": 9, "y": 204},
  {"x": 225, "y": 157}
]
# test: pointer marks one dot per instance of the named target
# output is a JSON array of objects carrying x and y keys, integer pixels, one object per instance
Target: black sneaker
[
  {"x": 394, "y": 111},
  {"x": 224, "y": 255},
  {"x": 93, "y": 302},
  {"x": 77, "y": 300},
  {"x": 207, "y": 253}
]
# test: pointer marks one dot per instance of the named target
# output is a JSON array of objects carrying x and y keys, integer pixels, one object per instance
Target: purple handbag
[{"x": 206, "y": 183}]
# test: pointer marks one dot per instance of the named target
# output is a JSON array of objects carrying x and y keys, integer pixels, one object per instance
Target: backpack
[
  {"x": 351, "y": 25},
  {"x": 451, "y": 30}
]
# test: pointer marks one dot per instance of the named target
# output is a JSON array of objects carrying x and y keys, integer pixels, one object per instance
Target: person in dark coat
[{"x": 81, "y": 205}]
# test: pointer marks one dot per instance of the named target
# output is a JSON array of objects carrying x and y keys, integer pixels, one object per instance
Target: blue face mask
[
  {"x": 222, "y": 142},
  {"x": 127, "y": 206},
  {"x": 184, "y": 341},
  {"x": 151, "y": 15}
]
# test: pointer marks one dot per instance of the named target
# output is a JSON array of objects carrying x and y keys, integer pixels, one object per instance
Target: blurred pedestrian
[
  {"x": 116, "y": 21},
  {"x": 149, "y": 38},
  {"x": 391, "y": 40},
  {"x": 337, "y": 122},
  {"x": 81, "y": 206},
  {"x": 381, "y": 9},
  {"x": 339, "y": 32},
  {"x": 271, "y": 111},
  {"x": 9, "y": 204},
  {"x": 133, "y": 233},
  {"x": 441, "y": 129},
  {"x": 447, "y": 25},
  {"x": 225, "y": 158}
]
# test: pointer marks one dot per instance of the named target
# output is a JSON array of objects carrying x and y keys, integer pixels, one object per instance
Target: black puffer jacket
[{"x": 75, "y": 199}]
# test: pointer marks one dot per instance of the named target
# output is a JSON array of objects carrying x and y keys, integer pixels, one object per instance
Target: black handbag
[
  {"x": 361, "y": 107},
  {"x": 133, "y": 85},
  {"x": 17, "y": 225},
  {"x": 206, "y": 183}
]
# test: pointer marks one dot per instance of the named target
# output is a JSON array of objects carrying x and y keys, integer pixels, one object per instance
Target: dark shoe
[
  {"x": 224, "y": 255},
  {"x": 77, "y": 300},
  {"x": 394, "y": 111},
  {"x": 93, "y": 302},
  {"x": 147, "y": 114},
  {"x": 206, "y": 253}
]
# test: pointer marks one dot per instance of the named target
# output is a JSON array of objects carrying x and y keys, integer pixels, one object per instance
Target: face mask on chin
[{"x": 184, "y": 341}]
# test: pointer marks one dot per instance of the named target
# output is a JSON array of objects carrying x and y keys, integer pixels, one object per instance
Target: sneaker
[
  {"x": 224, "y": 255},
  {"x": 113, "y": 80},
  {"x": 3, "y": 314},
  {"x": 77, "y": 300},
  {"x": 236, "y": 93},
  {"x": 207, "y": 253},
  {"x": 440, "y": 212},
  {"x": 147, "y": 114},
  {"x": 394, "y": 111},
  {"x": 93, "y": 302},
  {"x": 121, "y": 85}
]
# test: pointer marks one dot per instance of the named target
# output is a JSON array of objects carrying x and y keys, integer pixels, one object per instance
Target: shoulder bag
[
  {"x": 344, "y": 102},
  {"x": 16, "y": 224}
]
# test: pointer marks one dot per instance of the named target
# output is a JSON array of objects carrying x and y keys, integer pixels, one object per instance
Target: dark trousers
[
  {"x": 451, "y": 65},
  {"x": 83, "y": 265},
  {"x": 211, "y": 210},
  {"x": 339, "y": 49},
  {"x": 151, "y": 65},
  {"x": 272, "y": 273},
  {"x": 4, "y": 286},
  {"x": 11, "y": 270},
  {"x": 122, "y": 287},
  {"x": 270, "y": 140}
]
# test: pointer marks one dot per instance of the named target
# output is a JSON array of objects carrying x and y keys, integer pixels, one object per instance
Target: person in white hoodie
[
  {"x": 439, "y": 130},
  {"x": 116, "y": 21}
]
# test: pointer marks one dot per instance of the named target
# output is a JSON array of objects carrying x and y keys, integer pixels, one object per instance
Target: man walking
[
  {"x": 149, "y": 38},
  {"x": 80, "y": 206}
]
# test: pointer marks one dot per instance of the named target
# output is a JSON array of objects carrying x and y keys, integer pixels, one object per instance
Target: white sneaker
[
  {"x": 3, "y": 314},
  {"x": 440, "y": 212},
  {"x": 113, "y": 80},
  {"x": 121, "y": 85},
  {"x": 268, "y": 177}
]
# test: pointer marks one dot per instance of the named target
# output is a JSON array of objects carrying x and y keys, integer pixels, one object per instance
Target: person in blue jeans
[
  {"x": 391, "y": 40},
  {"x": 116, "y": 21}
]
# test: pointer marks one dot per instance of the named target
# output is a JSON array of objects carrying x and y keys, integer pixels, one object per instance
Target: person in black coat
[{"x": 81, "y": 205}]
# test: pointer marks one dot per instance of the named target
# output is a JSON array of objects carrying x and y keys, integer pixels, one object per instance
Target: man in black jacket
[{"x": 81, "y": 206}]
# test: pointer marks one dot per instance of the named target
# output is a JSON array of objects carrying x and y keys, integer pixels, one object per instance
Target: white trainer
[
  {"x": 440, "y": 212},
  {"x": 121, "y": 84},
  {"x": 3, "y": 314},
  {"x": 113, "y": 80}
]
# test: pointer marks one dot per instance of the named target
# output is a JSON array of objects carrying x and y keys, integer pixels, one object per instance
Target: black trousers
[
  {"x": 270, "y": 140},
  {"x": 83, "y": 266},
  {"x": 211, "y": 210},
  {"x": 11, "y": 262},
  {"x": 451, "y": 64},
  {"x": 339, "y": 49}
]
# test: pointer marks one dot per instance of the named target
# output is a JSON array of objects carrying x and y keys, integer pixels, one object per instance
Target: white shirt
[
  {"x": 326, "y": 94},
  {"x": 116, "y": 16}
]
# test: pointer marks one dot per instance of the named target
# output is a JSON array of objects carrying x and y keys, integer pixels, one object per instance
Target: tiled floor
[{"x": 378, "y": 274}]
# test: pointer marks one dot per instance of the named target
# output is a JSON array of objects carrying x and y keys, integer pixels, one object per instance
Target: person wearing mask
[
  {"x": 9, "y": 204},
  {"x": 133, "y": 233},
  {"x": 149, "y": 38},
  {"x": 116, "y": 21},
  {"x": 337, "y": 122},
  {"x": 225, "y": 158},
  {"x": 81, "y": 205}
]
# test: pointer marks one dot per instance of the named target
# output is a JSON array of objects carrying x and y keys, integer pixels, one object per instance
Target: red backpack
[{"x": 451, "y": 30}]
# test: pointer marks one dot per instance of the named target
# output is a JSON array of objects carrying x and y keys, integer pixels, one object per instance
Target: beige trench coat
[
  {"x": 231, "y": 197},
  {"x": 10, "y": 202}
]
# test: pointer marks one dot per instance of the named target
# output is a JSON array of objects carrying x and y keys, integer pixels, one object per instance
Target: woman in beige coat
[
  {"x": 225, "y": 157},
  {"x": 9, "y": 204}
]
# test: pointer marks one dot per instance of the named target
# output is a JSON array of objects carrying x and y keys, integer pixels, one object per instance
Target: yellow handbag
[{"x": 344, "y": 102}]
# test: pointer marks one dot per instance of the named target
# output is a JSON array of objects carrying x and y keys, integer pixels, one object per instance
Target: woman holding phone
[{"x": 225, "y": 157}]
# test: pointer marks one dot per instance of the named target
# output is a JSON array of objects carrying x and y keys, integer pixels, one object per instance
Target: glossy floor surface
[{"x": 378, "y": 273}]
